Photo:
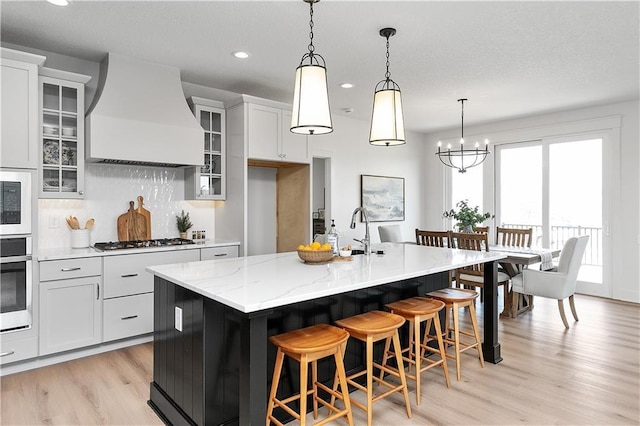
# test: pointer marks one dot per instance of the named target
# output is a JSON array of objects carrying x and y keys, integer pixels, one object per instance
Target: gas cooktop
[{"x": 163, "y": 242}]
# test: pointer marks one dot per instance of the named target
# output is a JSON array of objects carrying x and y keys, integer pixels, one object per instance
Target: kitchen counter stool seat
[
  {"x": 454, "y": 299},
  {"x": 372, "y": 327},
  {"x": 416, "y": 310},
  {"x": 308, "y": 345}
]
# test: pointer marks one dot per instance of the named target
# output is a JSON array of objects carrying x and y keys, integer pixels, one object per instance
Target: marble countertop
[
  {"x": 254, "y": 283},
  {"x": 62, "y": 253}
]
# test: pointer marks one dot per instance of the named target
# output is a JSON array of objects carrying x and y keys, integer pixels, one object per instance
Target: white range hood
[{"x": 140, "y": 116}]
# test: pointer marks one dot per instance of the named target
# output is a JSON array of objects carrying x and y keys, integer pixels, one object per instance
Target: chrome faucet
[{"x": 366, "y": 241}]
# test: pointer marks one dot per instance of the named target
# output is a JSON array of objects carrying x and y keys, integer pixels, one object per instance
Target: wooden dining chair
[
  {"x": 433, "y": 238},
  {"x": 473, "y": 275},
  {"x": 481, "y": 229},
  {"x": 514, "y": 237}
]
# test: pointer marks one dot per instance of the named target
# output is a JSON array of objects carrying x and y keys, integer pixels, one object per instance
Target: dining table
[{"x": 517, "y": 259}]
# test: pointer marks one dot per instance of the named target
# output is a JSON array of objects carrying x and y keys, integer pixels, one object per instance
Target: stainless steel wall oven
[{"x": 16, "y": 283}]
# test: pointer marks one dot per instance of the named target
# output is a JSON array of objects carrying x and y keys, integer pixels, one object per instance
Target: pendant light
[
  {"x": 455, "y": 158},
  {"x": 387, "y": 124},
  {"x": 311, "y": 114}
]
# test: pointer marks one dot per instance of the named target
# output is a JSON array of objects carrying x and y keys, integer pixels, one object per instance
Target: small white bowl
[
  {"x": 68, "y": 131},
  {"x": 49, "y": 130},
  {"x": 345, "y": 253}
]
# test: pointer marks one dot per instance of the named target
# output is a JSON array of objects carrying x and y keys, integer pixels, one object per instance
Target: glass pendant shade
[
  {"x": 387, "y": 123},
  {"x": 311, "y": 114}
]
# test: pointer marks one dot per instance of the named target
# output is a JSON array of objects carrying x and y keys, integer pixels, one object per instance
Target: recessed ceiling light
[
  {"x": 59, "y": 2},
  {"x": 241, "y": 55},
  {"x": 346, "y": 85}
]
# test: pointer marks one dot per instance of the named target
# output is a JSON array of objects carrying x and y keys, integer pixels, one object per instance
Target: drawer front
[
  {"x": 70, "y": 268},
  {"x": 17, "y": 350},
  {"x": 125, "y": 275},
  {"x": 211, "y": 253},
  {"x": 127, "y": 316}
]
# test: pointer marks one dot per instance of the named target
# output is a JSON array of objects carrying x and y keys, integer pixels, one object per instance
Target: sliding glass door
[{"x": 555, "y": 186}]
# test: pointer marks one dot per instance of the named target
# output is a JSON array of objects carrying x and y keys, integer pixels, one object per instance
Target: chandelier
[
  {"x": 463, "y": 158},
  {"x": 311, "y": 114},
  {"x": 387, "y": 124}
]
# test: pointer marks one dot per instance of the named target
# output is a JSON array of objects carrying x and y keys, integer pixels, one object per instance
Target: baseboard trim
[{"x": 43, "y": 361}]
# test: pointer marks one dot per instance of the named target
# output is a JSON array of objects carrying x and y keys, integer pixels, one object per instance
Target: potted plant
[
  {"x": 466, "y": 216},
  {"x": 183, "y": 222}
]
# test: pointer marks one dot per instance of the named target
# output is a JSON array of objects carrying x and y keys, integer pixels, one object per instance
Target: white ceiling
[{"x": 510, "y": 59}]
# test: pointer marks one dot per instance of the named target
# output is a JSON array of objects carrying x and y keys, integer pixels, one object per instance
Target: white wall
[
  {"x": 262, "y": 211},
  {"x": 352, "y": 155},
  {"x": 625, "y": 232},
  {"x": 108, "y": 189},
  {"x": 318, "y": 185}
]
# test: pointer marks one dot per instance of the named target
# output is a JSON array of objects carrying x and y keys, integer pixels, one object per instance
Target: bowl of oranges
[{"x": 315, "y": 252}]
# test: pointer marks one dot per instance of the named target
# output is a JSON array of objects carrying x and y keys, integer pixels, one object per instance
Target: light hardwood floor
[{"x": 587, "y": 375}]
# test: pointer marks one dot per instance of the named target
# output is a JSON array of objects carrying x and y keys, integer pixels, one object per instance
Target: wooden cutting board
[
  {"x": 132, "y": 225},
  {"x": 147, "y": 215}
]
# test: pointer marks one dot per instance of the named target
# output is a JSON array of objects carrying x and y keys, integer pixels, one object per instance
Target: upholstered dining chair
[
  {"x": 473, "y": 276},
  {"x": 390, "y": 233},
  {"x": 514, "y": 237},
  {"x": 433, "y": 238},
  {"x": 558, "y": 283}
]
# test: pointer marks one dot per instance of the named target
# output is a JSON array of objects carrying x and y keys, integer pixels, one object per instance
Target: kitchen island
[{"x": 212, "y": 319}]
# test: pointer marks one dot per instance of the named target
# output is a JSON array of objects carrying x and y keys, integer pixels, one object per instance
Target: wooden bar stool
[
  {"x": 454, "y": 299},
  {"x": 372, "y": 327},
  {"x": 308, "y": 345},
  {"x": 416, "y": 310}
]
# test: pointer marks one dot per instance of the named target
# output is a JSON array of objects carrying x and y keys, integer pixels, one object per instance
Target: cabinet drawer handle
[
  {"x": 7, "y": 353},
  {"x": 129, "y": 317},
  {"x": 70, "y": 269},
  {"x": 98, "y": 291},
  {"x": 220, "y": 254},
  {"x": 128, "y": 275}
]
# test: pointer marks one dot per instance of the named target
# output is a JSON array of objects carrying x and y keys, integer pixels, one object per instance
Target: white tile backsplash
[{"x": 108, "y": 190}]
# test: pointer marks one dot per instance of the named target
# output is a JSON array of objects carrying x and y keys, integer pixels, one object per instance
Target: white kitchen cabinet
[
  {"x": 125, "y": 275},
  {"x": 294, "y": 147},
  {"x": 255, "y": 138},
  {"x": 128, "y": 291},
  {"x": 62, "y": 134},
  {"x": 18, "y": 350},
  {"x": 19, "y": 112},
  {"x": 269, "y": 137},
  {"x": 70, "y": 268},
  {"x": 127, "y": 316},
  {"x": 208, "y": 182},
  {"x": 211, "y": 253},
  {"x": 70, "y": 308}
]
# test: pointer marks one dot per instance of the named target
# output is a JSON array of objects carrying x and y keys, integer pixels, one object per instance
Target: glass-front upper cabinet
[
  {"x": 62, "y": 134},
  {"x": 208, "y": 182}
]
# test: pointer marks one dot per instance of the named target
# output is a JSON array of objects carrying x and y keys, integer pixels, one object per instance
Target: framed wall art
[{"x": 383, "y": 197}]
